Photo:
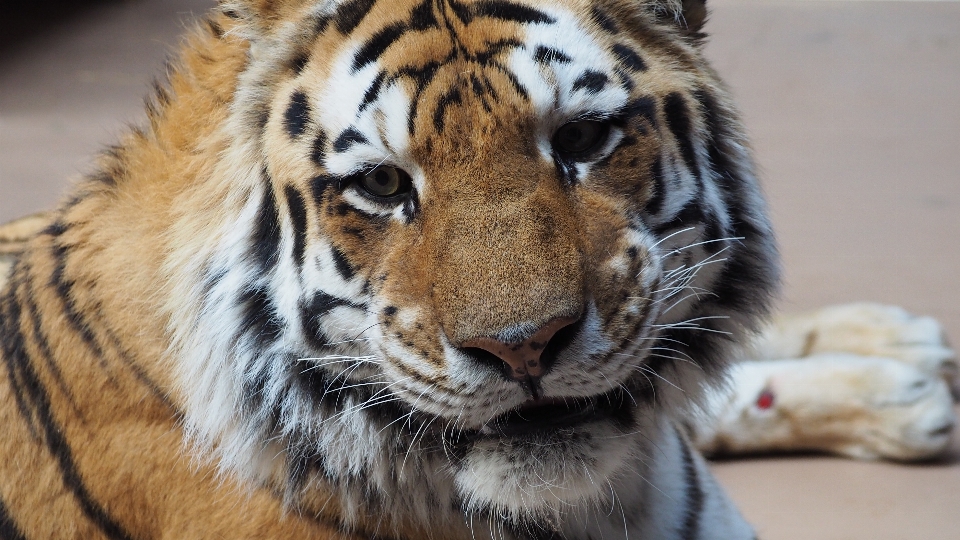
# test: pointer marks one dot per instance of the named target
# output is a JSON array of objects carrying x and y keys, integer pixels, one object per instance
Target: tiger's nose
[{"x": 523, "y": 359}]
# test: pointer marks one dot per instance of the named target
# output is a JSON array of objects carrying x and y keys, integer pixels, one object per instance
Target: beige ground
[{"x": 854, "y": 108}]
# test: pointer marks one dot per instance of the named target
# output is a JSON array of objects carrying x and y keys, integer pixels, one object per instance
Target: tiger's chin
[{"x": 547, "y": 457}]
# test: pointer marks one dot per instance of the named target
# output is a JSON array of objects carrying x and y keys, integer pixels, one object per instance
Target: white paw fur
[{"x": 860, "y": 380}]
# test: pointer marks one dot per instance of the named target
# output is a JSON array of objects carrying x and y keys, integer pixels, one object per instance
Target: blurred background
[{"x": 854, "y": 111}]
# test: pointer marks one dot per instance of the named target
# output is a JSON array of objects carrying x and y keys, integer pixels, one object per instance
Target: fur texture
[{"x": 232, "y": 331}]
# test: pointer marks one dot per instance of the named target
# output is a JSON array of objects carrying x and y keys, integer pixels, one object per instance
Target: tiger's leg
[
  {"x": 865, "y": 329},
  {"x": 864, "y": 380}
]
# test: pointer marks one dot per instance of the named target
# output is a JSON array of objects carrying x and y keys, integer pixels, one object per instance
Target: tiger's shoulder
[{"x": 14, "y": 236}]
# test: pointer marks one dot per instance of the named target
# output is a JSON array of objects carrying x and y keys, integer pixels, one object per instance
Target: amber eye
[
  {"x": 580, "y": 138},
  {"x": 385, "y": 182}
]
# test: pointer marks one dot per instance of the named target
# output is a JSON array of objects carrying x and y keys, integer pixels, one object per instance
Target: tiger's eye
[
  {"x": 580, "y": 138},
  {"x": 385, "y": 182}
]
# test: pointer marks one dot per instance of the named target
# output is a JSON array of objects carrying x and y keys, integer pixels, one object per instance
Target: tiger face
[{"x": 475, "y": 252}]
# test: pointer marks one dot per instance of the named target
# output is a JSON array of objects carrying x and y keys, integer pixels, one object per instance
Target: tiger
[{"x": 394, "y": 269}]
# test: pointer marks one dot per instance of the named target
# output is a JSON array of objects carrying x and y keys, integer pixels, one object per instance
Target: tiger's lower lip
[{"x": 548, "y": 415}]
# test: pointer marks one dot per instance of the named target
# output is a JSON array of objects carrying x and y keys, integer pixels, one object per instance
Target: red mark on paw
[{"x": 765, "y": 400}]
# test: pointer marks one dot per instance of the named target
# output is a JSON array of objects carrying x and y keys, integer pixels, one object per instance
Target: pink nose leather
[{"x": 523, "y": 358}]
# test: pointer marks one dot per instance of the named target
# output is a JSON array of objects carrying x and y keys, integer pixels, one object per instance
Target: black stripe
[
  {"x": 377, "y": 45},
  {"x": 17, "y": 359},
  {"x": 260, "y": 320},
  {"x": 509, "y": 11},
  {"x": 373, "y": 92},
  {"x": 546, "y": 55},
  {"x": 678, "y": 121},
  {"x": 343, "y": 266},
  {"x": 690, "y": 529},
  {"x": 658, "y": 176},
  {"x": 319, "y": 185},
  {"x": 592, "y": 81},
  {"x": 347, "y": 139},
  {"x": 351, "y": 13},
  {"x": 298, "y": 218},
  {"x": 319, "y": 149},
  {"x": 629, "y": 58},
  {"x": 299, "y": 62},
  {"x": 12, "y": 342},
  {"x": 64, "y": 289},
  {"x": 297, "y": 115},
  {"x": 422, "y": 17},
  {"x": 603, "y": 20},
  {"x": 8, "y": 527},
  {"x": 451, "y": 97},
  {"x": 311, "y": 312},
  {"x": 266, "y": 236}
]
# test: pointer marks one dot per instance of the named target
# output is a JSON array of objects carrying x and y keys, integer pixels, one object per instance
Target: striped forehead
[{"x": 561, "y": 69}]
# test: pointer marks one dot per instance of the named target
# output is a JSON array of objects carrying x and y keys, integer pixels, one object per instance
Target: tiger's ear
[
  {"x": 260, "y": 16},
  {"x": 688, "y": 15}
]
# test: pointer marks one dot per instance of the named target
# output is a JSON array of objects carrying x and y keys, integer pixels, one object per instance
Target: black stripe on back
[
  {"x": 678, "y": 120},
  {"x": 690, "y": 528},
  {"x": 298, "y": 218},
  {"x": 509, "y": 11},
  {"x": 350, "y": 14},
  {"x": 377, "y": 45},
  {"x": 32, "y": 388},
  {"x": 8, "y": 527}
]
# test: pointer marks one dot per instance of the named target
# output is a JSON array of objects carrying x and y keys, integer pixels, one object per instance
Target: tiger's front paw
[
  {"x": 864, "y": 329},
  {"x": 862, "y": 407}
]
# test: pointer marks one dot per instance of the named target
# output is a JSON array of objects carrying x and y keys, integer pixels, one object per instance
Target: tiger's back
[{"x": 395, "y": 269}]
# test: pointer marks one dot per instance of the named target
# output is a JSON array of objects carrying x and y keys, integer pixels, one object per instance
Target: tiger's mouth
[{"x": 545, "y": 416}]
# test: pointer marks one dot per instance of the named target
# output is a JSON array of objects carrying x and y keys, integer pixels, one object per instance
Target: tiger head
[{"x": 467, "y": 254}]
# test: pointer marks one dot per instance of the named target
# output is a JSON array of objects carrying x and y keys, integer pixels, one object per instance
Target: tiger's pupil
[
  {"x": 383, "y": 181},
  {"x": 579, "y": 137}
]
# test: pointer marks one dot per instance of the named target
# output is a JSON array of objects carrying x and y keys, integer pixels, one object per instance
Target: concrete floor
[{"x": 854, "y": 109}]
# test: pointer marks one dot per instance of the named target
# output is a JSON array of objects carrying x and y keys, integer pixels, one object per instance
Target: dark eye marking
[
  {"x": 546, "y": 55},
  {"x": 592, "y": 81},
  {"x": 348, "y": 138},
  {"x": 643, "y": 107},
  {"x": 629, "y": 58},
  {"x": 298, "y": 114}
]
